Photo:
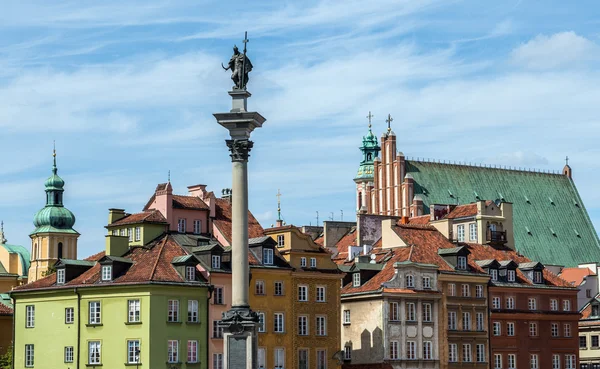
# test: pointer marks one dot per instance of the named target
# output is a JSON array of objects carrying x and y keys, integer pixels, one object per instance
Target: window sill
[
  {"x": 133, "y": 323},
  {"x": 193, "y": 323},
  {"x": 174, "y": 362},
  {"x": 94, "y": 325},
  {"x": 133, "y": 364},
  {"x": 193, "y": 363},
  {"x": 346, "y": 323},
  {"x": 217, "y": 338},
  {"x": 168, "y": 322},
  {"x": 92, "y": 365}
]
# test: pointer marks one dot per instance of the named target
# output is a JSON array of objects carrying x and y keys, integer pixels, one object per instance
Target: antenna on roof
[
  {"x": 318, "y": 219},
  {"x": 341, "y": 211},
  {"x": 278, "y": 204},
  {"x": 169, "y": 176},
  {"x": 331, "y": 216}
]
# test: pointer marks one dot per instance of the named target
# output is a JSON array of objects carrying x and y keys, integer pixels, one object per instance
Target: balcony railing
[{"x": 497, "y": 236}]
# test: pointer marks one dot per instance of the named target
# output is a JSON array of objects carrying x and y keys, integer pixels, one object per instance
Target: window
[
  {"x": 216, "y": 261},
  {"x": 123, "y": 232},
  {"x": 321, "y": 294},
  {"x": 532, "y": 303},
  {"x": 192, "y": 351},
  {"x": 394, "y": 312},
  {"x": 567, "y": 330},
  {"x": 133, "y": 352},
  {"x": 313, "y": 262},
  {"x": 106, "y": 272},
  {"x": 411, "y": 350},
  {"x": 411, "y": 312},
  {"x": 173, "y": 314},
  {"x": 461, "y": 263},
  {"x": 480, "y": 353},
  {"x": 173, "y": 351},
  {"x": 217, "y": 330},
  {"x": 566, "y": 305},
  {"x": 570, "y": 361},
  {"x": 497, "y": 361},
  {"x": 466, "y": 321},
  {"x": 426, "y": 283},
  {"x": 427, "y": 350},
  {"x": 197, "y": 226},
  {"x": 496, "y": 329},
  {"x": 133, "y": 315},
  {"x": 554, "y": 329},
  {"x": 494, "y": 274},
  {"x": 479, "y": 321},
  {"x": 138, "y": 233},
  {"x": 410, "y": 281},
  {"x": 452, "y": 320},
  {"x": 261, "y": 322},
  {"x": 303, "y": 359},
  {"x": 29, "y": 355},
  {"x": 394, "y": 350},
  {"x": 554, "y": 304},
  {"x": 218, "y": 296},
  {"x": 190, "y": 273},
  {"x": 321, "y": 359},
  {"x": 94, "y": 310},
  {"x": 451, "y": 289},
  {"x": 94, "y": 352},
  {"x": 346, "y": 316},
  {"x": 510, "y": 329},
  {"x": 30, "y": 316},
  {"x": 495, "y": 302},
  {"x": 473, "y": 231},
  {"x": 303, "y": 262},
  {"x": 533, "y": 329},
  {"x": 302, "y": 293},
  {"x": 69, "y": 315},
  {"x": 510, "y": 303},
  {"x": 512, "y": 361},
  {"x": 583, "y": 342},
  {"x": 426, "y": 313},
  {"x": 69, "y": 354},
  {"x": 262, "y": 358},
  {"x": 452, "y": 353},
  {"x": 302, "y": 325},
  {"x": 533, "y": 360},
  {"x": 356, "y": 279},
  {"x": 278, "y": 288},
  {"x": 279, "y": 358},
  {"x": 479, "y": 291},
  {"x": 467, "y": 353},
  {"x": 278, "y": 324},
  {"x": 130, "y": 234},
  {"x": 321, "y": 326},
  {"x": 259, "y": 287},
  {"x": 60, "y": 276},
  {"x": 181, "y": 226},
  {"x": 537, "y": 277},
  {"x": 594, "y": 341},
  {"x": 511, "y": 275},
  {"x": 268, "y": 256},
  {"x": 465, "y": 290},
  {"x": 588, "y": 293},
  {"x": 217, "y": 361},
  {"x": 193, "y": 311},
  {"x": 460, "y": 231},
  {"x": 280, "y": 240},
  {"x": 347, "y": 353}
]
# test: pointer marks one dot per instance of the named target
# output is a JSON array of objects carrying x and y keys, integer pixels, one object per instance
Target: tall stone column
[{"x": 240, "y": 323}]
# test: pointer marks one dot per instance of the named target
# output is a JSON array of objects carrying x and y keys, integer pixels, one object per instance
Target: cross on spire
[
  {"x": 245, "y": 41},
  {"x": 278, "y": 204},
  {"x": 369, "y": 118},
  {"x": 567, "y": 160},
  {"x": 389, "y": 121},
  {"x": 169, "y": 176}
]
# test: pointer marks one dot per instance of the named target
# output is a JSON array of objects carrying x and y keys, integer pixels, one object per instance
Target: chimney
[
  {"x": 115, "y": 214},
  {"x": 116, "y": 245},
  {"x": 404, "y": 220},
  {"x": 279, "y": 223},
  {"x": 226, "y": 194},
  {"x": 198, "y": 190},
  {"x": 164, "y": 202}
]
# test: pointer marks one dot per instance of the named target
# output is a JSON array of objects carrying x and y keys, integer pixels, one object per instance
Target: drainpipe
[
  {"x": 211, "y": 288},
  {"x": 13, "y": 329},
  {"x": 78, "y": 325}
]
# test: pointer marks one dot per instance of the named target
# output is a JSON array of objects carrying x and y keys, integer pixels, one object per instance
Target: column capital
[{"x": 240, "y": 149}]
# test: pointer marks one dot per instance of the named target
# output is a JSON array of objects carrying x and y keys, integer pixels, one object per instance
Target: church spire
[{"x": 2, "y": 238}]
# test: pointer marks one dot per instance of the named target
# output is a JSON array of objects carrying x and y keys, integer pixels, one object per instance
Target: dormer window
[
  {"x": 356, "y": 279},
  {"x": 190, "y": 273},
  {"x": 410, "y": 281},
  {"x": 60, "y": 276},
  {"x": 280, "y": 240},
  {"x": 216, "y": 262},
  {"x": 461, "y": 263},
  {"x": 494, "y": 274},
  {"x": 537, "y": 277},
  {"x": 268, "y": 256},
  {"x": 511, "y": 275},
  {"x": 106, "y": 272},
  {"x": 595, "y": 310}
]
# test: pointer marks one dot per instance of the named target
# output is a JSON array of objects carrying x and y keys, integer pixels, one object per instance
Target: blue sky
[{"x": 127, "y": 89}]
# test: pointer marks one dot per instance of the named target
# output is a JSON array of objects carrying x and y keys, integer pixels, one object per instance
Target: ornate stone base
[{"x": 240, "y": 338}]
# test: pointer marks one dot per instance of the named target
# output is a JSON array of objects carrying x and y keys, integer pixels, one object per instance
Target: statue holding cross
[{"x": 240, "y": 66}]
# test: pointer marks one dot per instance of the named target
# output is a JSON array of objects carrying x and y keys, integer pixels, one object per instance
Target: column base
[{"x": 240, "y": 338}]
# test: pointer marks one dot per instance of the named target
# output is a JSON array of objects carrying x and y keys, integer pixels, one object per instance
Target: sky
[{"x": 128, "y": 88}]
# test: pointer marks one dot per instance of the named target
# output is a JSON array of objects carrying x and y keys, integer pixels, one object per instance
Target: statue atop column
[{"x": 240, "y": 66}]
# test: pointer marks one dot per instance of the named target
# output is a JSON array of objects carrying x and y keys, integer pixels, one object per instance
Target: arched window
[
  {"x": 369, "y": 157},
  {"x": 360, "y": 203},
  {"x": 35, "y": 251},
  {"x": 60, "y": 250}
]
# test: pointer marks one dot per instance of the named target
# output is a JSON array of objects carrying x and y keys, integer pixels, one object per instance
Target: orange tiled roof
[
  {"x": 421, "y": 219},
  {"x": 462, "y": 211},
  {"x": 223, "y": 221},
  {"x": 575, "y": 275},
  {"x": 150, "y": 216},
  {"x": 586, "y": 312},
  {"x": 320, "y": 240},
  {"x": 5, "y": 310},
  {"x": 189, "y": 202}
]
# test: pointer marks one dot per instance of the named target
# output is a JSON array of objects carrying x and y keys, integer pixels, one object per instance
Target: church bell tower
[{"x": 364, "y": 177}]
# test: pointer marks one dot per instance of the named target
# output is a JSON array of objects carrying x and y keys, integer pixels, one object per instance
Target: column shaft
[{"x": 239, "y": 230}]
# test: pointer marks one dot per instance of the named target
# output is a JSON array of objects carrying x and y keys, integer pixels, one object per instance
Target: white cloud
[{"x": 564, "y": 49}]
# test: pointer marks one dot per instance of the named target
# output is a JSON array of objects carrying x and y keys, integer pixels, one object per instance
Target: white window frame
[
  {"x": 138, "y": 233},
  {"x": 497, "y": 361},
  {"x": 496, "y": 303},
  {"x": 451, "y": 289},
  {"x": 566, "y": 305},
  {"x": 466, "y": 316},
  {"x": 94, "y": 352},
  {"x": 534, "y": 362},
  {"x": 190, "y": 273},
  {"x": 278, "y": 288},
  {"x": 197, "y": 226},
  {"x": 280, "y": 240},
  {"x": 321, "y": 294},
  {"x": 479, "y": 291},
  {"x": 411, "y": 312},
  {"x": 427, "y": 315},
  {"x": 480, "y": 353},
  {"x": 29, "y": 355},
  {"x": 216, "y": 262},
  {"x": 555, "y": 361},
  {"x": 554, "y": 304},
  {"x": 496, "y": 329},
  {"x": 69, "y": 315},
  {"x": 533, "y": 329},
  {"x": 460, "y": 233},
  {"x": 193, "y": 311},
  {"x": 567, "y": 330},
  {"x": 279, "y": 356},
  {"x": 411, "y": 350},
  {"x": 467, "y": 353},
  {"x": 303, "y": 293},
  {"x": 347, "y": 353},
  {"x": 511, "y": 275},
  {"x": 218, "y": 296},
  {"x": 173, "y": 311},
  {"x": 262, "y": 323},
  {"x": 181, "y": 225},
  {"x": 494, "y": 274},
  {"x": 511, "y": 361},
  {"x": 510, "y": 303},
  {"x": 465, "y": 290},
  {"x": 427, "y": 350},
  {"x": 453, "y": 352},
  {"x": 133, "y": 351},
  {"x": 217, "y": 361},
  {"x": 192, "y": 351},
  {"x": 532, "y": 303},
  {"x": 95, "y": 312},
  {"x": 426, "y": 282},
  {"x": 302, "y": 325},
  {"x": 321, "y": 359},
  {"x": 538, "y": 277},
  {"x": 69, "y": 354},
  {"x": 510, "y": 329},
  {"x": 479, "y": 322},
  {"x": 346, "y": 316},
  {"x": 570, "y": 361},
  {"x": 130, "y": 234},
  {"x": 473, "y": 231},
  {"x": 461, "y": 263},
  {"x": 172, "y": 351},
  {"x": 410, "y": 281},
  {"x": 452, "y": 320},
  {"x": 313, "y": 262},
  {"x": 279, "y": 323},
  {"x": 217, "y": 330},
  {"x": 262, "y": 357},
  {"x": 30, "y": 316},
  {"x": 133, "y": 311},
  {"x": 106, "y": 273},
  {"x": 259, "y": 288},
  {"x": 321, "y": 326},
  {"x": 60, "y": 276},
  {"x": 356, "y": 279},
  {"x": 554, "y": 329},
  {"x": 268, "y": 256},
  {"x": 394, "y": 350},
  {"x": 303, "y": 262}
]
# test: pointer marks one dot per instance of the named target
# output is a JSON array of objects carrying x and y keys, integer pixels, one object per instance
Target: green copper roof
[
  {"x": 551, "y": 224},
  {"x": 370, "y": 149},
  {"x": 23, "y": 253}
]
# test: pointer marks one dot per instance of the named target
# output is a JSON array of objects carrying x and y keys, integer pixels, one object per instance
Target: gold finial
[
  {"x": 389, "y": 121},
  {"x": 54, "y": 148},
  {"x": 369, "y": 118}
]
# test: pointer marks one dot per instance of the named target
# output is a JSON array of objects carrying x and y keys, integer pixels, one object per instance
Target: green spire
[{"x": 370, "y": 150}]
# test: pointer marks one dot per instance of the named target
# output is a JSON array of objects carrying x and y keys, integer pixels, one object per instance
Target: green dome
[
  {"x": 55, "y": 217},
  {"x": 54, "y": 182},
  {"x": 370, "y": 149}
]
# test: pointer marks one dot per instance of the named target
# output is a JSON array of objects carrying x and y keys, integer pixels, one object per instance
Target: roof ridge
[
  {"x": 158, "y": 258},
  {"x": 487, "y": 166}
]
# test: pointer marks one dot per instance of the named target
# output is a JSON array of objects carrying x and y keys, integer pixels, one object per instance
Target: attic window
[
  {"x": 511, "y": 275},
  {"x": 494, "y": 274},
  {"x": 410, "y": 281},
  {"x": 461, "y": 263},
  {"x": 60, "y": 276},
  {"x": 216, "y": 262},
  {"x": 268, "y": 256},
  {"x": 595, "y": 310},
  {"x": 190, "y": 273},
  {"x": 356, "y": 279},
  {"x": 537, "y": 277},
  {"x": 106, "y": 272}
]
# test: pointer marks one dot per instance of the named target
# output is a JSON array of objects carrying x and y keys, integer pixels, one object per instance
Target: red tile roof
[
  {"x": 586, "y": 312},
  {"x": 320, "y": 240},
  {"x": 223, "y": 221},
  {"x": 422, "y": 219},
  {"x": 462, "y": 211},
  {"x": 150, "y": 216},
  {"x": 349, "y": 239},
  {"x": 189, "y": 202},
  {"x": 575, "y": 275},
  {"x": 5, "y": 310}
]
